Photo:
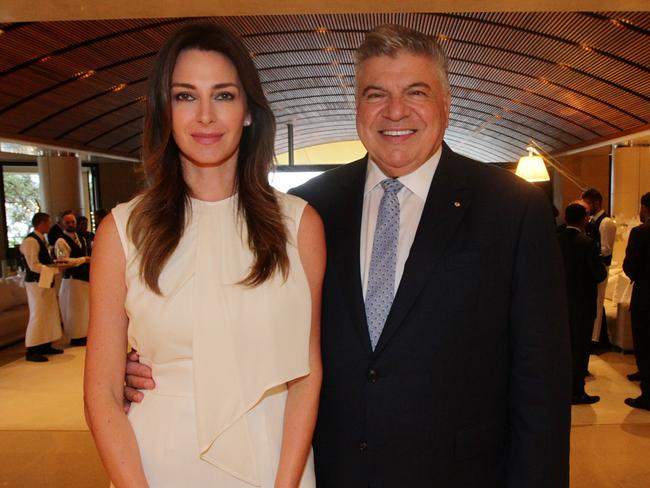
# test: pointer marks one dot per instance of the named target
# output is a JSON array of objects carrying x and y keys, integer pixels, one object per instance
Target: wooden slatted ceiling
[{"x": 558, "y": 78}]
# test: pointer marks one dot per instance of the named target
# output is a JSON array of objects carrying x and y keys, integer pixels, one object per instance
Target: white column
[
  {"x": 60, "y": 183},
  {"x": 631, "y": 180}
]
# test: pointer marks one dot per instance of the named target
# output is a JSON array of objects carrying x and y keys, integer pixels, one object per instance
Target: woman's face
[{"x": 208, "y": 106}]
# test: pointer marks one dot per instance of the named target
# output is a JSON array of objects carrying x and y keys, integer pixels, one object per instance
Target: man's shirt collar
[{"x": 418, "y": 181}]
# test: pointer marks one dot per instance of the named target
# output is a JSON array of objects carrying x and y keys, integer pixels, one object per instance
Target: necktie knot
[{"x": 391, "y": 186}]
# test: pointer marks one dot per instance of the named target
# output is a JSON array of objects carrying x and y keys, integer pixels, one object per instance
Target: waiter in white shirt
[
  {"x": 602, "y": 229},
  {"x": 73, "y": 295},
  {"x": 44, "y": 324}
]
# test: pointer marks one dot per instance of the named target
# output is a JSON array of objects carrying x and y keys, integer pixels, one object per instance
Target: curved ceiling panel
[{"x": 561, "y": 79}]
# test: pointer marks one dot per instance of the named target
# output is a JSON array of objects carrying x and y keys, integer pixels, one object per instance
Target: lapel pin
[{"x": 456, "y": 204}]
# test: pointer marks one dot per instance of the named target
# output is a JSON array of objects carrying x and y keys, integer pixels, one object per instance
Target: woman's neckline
[{"x": 212, "y": 203}]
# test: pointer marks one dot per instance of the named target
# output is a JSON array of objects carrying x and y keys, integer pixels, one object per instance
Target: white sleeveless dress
[{"x": 221, "y": 353}]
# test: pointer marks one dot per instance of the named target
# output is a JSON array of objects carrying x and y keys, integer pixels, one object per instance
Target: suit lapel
[
  {"x": 345, "y": 259},
  {"x": 448, "y": 199}
]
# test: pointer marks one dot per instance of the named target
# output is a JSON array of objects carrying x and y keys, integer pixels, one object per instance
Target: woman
[{"x": 215, "y": 279}]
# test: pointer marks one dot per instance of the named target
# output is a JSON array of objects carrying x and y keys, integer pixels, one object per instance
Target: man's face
[
  {"x": 402, "y": 111},
  {"x": 45, "y": 226},
  {"x": 644, "y": 213},
  {"x": 82, "y": 225},
  {"x": 69, "y": 223},
  {"x": 594, "y": 206}
]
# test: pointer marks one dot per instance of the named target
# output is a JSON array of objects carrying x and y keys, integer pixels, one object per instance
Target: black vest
[
  {"x": 43, "y": 258},
  {"x": 593, "y": 231},
  {"x": 79, "y": 272}
]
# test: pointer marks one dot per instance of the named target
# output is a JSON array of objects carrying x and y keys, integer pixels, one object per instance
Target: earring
[{"x": 247, "y": 121}]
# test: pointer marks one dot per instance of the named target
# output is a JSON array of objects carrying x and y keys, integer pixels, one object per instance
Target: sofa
[{"x": 14, "y": 312}]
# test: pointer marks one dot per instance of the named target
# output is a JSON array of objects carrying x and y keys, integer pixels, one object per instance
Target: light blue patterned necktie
[{"x": 381, "y": 278}]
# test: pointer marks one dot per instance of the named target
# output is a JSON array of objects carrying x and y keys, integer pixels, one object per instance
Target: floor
[{"x": 44, "y": 441}]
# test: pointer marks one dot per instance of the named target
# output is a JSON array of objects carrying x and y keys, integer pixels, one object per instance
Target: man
[
  {"x": 83, "y": 232},
  {"x": 444, "y": 335},
  {"x": 584, "y": 270},
  {"x": 74, "y": 293},
  {"x": 602, "y": 229},
  {"x": 636, "y": 266},
  {"x": 57, "y": 229},
  {"x": 44, "y": 324}
]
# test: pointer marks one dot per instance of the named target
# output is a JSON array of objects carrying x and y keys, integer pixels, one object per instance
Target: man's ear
[{"x": 447, "y": 100}]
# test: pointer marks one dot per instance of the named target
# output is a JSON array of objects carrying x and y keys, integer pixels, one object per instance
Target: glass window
[
  {"x": 22, "y": 201},
  {"x": 285, "y": 180}
]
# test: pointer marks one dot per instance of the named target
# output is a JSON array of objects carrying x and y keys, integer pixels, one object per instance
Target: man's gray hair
[{"x": 391, "y": 39}]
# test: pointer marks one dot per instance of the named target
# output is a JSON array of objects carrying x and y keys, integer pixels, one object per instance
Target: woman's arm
[
  {"x": 104, "y": 374},
  {"x": 302, "y": 401}
]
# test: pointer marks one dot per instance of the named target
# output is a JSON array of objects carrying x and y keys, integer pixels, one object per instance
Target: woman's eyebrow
[{"x": 215, "y": 86}]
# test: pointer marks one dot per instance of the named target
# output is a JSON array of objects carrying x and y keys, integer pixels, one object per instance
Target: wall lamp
[{"x": 533, "y": 167}]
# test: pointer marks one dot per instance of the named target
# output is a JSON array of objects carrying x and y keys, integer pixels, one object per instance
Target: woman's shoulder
[
  {"x": 122, "y": 211},
  {"x": 126, "y": 207},
  {"x": 121, "y": 214},
  {"x": 292, "y": 208},
  {"x": 286, "y": 200}
]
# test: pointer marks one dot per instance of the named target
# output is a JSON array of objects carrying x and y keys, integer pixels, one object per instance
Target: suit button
[
  {"x": 372, "y": 375},
  {"x": 363, "y": 446}
]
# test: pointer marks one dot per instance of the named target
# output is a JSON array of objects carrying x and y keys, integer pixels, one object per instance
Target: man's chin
[{"x": 396, "y": 165}]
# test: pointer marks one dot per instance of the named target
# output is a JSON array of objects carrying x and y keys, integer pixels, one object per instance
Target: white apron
[
  {"x": 44, "y": 321},
  {"x": 73, "y": 299}
]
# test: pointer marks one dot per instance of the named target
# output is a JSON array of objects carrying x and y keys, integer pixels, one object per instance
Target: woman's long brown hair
[{"x": 158, "y": 219}]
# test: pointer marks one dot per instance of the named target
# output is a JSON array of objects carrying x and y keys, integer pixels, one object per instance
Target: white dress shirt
[
  {"x": 607, "y": 229},
  {"x": 63, "y": 249},
  {"x": 412, "y": 198}
]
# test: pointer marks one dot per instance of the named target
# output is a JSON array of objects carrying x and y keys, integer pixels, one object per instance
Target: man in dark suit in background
[
  {"x": 56, "y": 231},
  {"x": 584, "y": 270},
  {"x": 444, "y": 333},
  {"x": 637, "y": 267},
  {"x": 602, "y": 229}
]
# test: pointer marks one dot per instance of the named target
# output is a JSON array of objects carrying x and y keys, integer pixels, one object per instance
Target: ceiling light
[
  {"x": 586, "y": 47},
  {"x": 329, "y": 48},
  {"x": 85, "y": 74},
  {"x": 442, "y": 37},
  {"x": 532, "y": 168},
  {"x": 120, "y": 87},
  {"x": 321, "y": 30}
]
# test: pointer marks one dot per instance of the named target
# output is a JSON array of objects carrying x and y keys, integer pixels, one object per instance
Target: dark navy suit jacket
[{"x": 469, "y": 385}]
